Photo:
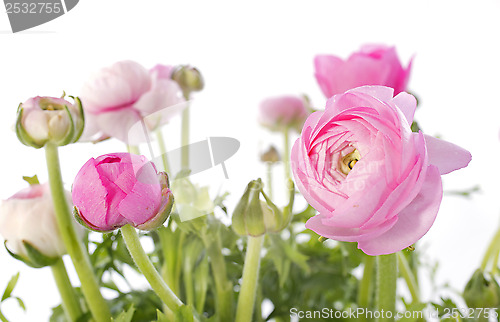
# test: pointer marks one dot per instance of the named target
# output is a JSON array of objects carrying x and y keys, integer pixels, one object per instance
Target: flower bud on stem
[
  {"x": 75, "y": 248},
  {"x": 246, "y": 299},
  {"x": 142, "y": 261}
]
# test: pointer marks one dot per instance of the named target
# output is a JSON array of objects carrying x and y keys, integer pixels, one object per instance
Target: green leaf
[
  {"x": 184, "y": 314},
  {"x": 21, "y": 303},
  {"x": 161, "y": 317},
  {"x": 126, "y": 316},
  {"x": 10, "y": 287}
]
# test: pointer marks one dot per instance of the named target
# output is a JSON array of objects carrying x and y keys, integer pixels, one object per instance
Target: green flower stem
[
  {"x": 163, "y": 150},
  {"x": 270, "y": 180},
  {"x": 492, "y": 251},
  {"x": 133, "y": 149},
  {"x": 185, "y": 139},
  {"x": 286, "y": 153},
  {"x": 246, "y": 299},
  {"x": 409, "y": 277},
  {"x": 365, "y": 287},
  {"x": 74, "y": 246},
  {"x": 223, "y": 287},
  {"x": 387, "y": 273},
  {"x": 3, "y": 318},
  {"x": 142, "y": 261},
  {"x": 69, "y": 298}
]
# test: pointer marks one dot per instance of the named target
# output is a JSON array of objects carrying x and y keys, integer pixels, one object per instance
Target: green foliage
[{"x": 7, "y": 294}]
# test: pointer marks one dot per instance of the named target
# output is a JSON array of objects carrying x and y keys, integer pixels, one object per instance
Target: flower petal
[
  {"x": 446, "y": 156},
  {"x": 413, "y": 222},
  {"x": 407, "y": 103}
]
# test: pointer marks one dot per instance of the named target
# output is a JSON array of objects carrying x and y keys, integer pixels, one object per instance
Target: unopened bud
[
  {"x": 188, "y": 78},
  {"x": 271, "y": 155},
  {"x": 482, "y": 292},
  {"x": 255, "y": 217},
  {"x": 49, "y": 119}
]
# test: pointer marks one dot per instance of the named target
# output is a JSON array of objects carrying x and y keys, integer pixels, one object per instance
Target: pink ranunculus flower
[
  {"x": 118, "y": 98},
  {"x": 279, "y": 113},
  {"x": 28, "y": 217},
  {"x": 118, "y": 189},
  {"x": 372, "y": 65},
  {"x": 371, "y": 179}
]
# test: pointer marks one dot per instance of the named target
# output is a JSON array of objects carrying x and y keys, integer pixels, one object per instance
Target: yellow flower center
[{"x": 346, "y": 164}]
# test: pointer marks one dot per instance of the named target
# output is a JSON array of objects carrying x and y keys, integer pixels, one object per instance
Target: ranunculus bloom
[
  {"x": 372, "y": 65},
  {"x": 371, "y": 179},
  {"x": 118, "y": 189},
  {"x": 44, "y": 119},
  {"x": 29, "y": 217},
  {"x": 278, "y": 113},
  {"x": 119, "y": 97}
]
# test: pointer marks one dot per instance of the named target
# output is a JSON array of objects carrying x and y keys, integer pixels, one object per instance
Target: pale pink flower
[
  {"x": 372, "y": 65},
  {"x": 118, "y": 189},
  {"x": 279, "y": 113},
  {"x": 371, "y": 179},
  {"x": 119, "y": 98},
  {"x": 29, "y": 217}
]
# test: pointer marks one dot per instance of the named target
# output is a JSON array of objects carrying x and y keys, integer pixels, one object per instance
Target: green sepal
[
  {"x": 79, "y": 219},
  {"x": 33, "y": 257},
  {"x": 279, "y": 217},
  {"x": 158, "y": 220},
  {"x": 37, "y": 257},
  {"x": 32, "y": 180},
  {"x": 21, "y": 133},
  {"x": 80, "y": 127},
  {"x": 238, "y": 219},
  {"x": 71, "y": 132},
  {"x": 254, "y": 222}
]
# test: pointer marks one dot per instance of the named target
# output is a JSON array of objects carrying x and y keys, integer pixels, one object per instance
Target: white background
[{"x": 248, "y": 51}]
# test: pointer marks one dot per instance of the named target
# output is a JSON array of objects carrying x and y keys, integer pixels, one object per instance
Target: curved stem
[
  {"x": 409, "y": 277},
  {"x": 69, "y": 298},
  {"x": 246, "y": 299},
  {"x": 163, "y": 150},
  {"x": 74, "y": 246},
  {"x": 493, "y": 249},
  {"x": 387, "y": 272},
  {"x": 365, "y": 287},
  {"x": 142, "y": 261}
]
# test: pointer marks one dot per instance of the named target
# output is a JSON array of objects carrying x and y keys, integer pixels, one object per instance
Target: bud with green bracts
[
  {"x": 255, "y": 217},
  {"x": 49, "y": 119},
  {"x": 482, "y": 291}
]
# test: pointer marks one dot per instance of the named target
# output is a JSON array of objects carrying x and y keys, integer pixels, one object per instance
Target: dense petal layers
[
  {"x": 370, "y": 178},
  {"x": 117, "y": 189}
]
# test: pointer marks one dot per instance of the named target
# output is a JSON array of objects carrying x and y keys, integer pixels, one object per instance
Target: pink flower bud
[
  {"x": 27, "y": 219},
  {"x": 372, "y": 65},
  {"x": 44, "y": 119},
  {"x": 278, "y": 113},
  {"x": 118, "y": 189}
]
